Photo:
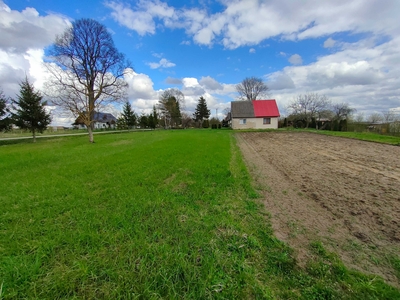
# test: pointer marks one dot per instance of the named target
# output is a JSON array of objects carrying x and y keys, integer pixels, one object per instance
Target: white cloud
[
  {"x": 141, "y": 17},
  {"x": 329, "y": 43},
  {"x": 14, "y": 67},
  {"x": 25, "y": 30},
  {"x": 250, "y": 22},
  {"x": 140, "y": 86},
  {"x": 163, "y": 63},
  {"x": 23, "y": 36},
  {"x": 141, "y": 22},
  {"x": 252, "y": 50},
  {"x": 171, "y": 80},
  {"x": 280, "y": 81},
  {"x": 344, "y": 73},
  {"x": 210, "y": 83},
  {"x": 358, "y": 74},
  {"x": 295, "y": 59},
  {"x": 158, "y": 55},
  {"x": 191, "y": 87}
]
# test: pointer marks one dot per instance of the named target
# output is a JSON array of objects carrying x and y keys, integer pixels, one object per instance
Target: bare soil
[{"x": 342, "y": 192}]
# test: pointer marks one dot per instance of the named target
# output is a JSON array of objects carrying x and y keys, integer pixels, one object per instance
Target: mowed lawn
[{"x": 150, "y": 215}]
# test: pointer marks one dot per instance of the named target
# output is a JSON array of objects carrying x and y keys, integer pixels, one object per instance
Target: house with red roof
[{"x": 256, "y": 114}]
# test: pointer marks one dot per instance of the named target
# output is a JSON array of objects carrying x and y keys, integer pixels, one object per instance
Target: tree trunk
[
  {"x": 91, "y": 140},
  {"x": 34, "y": 136},
  {"x": 91, "y": 111}
]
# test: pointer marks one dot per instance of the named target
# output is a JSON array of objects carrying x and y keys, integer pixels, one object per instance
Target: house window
[
  {"x": 242, "y": 121},
  {"x": 267, "y": 121}
]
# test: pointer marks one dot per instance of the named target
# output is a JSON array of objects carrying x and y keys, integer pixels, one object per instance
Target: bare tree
[
  {"x": 359, "y": 118},
  {"x": 375, "y": 118},
  {"x": 251, "y": 88},
  {"x": 227, "y": 110},
  {"x": 309, "y": 106},
  {"x": 389, "y": 116},
  {"x": 342, "y": 110},
  {"x": 187, "y": 120},
  {"x": 87, "y": 71},
  {"x": 179, "y": 96}
]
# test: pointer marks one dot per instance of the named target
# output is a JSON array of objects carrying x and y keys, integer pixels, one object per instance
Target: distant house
[
  {"x": 101, "y": 121},
  {"x": 226, "y": 122},
  {"x": 256, "y": 114}
]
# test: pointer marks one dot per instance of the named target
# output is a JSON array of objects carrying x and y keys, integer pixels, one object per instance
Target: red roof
[{"x": 265, "y": 108}]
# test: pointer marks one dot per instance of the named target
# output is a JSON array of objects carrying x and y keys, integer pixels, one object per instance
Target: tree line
[
  {"x": 168, "y": 113},
  {"x": 317, "y": 111},
  {"x": 312, "y": 110},
  {"x": 172, "y": 102}
]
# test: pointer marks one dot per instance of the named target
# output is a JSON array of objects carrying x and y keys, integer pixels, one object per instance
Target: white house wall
[
  {"x": 101, "y": 125},
  {"x": 254, "y": 123},
  {"x": 97, "y": 125}
]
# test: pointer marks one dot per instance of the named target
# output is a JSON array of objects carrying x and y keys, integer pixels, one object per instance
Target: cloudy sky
[{"x": 348, "y": 50}]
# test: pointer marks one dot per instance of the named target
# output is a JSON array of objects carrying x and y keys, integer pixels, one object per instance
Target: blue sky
[{"x": 347, "y": 50}]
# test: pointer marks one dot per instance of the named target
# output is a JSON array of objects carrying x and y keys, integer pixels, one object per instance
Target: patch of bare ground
[{"x": 342, "y": 192}]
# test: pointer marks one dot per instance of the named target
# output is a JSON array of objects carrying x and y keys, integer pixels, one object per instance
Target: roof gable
[
  {"x": 265, "y": 108},
  {"x": 104, "y": 117},
  {"x": 98, "y": 117},
  {"x": 242, "y": 109}
]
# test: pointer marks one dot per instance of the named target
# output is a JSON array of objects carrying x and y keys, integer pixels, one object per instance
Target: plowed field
[{"x": 342, "y": 192}]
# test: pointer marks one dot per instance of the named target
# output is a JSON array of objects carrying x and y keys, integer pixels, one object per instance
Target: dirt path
[{"x": 342, "y": 192}]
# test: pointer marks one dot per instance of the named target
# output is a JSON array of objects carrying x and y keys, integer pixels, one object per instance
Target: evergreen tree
[
  {"x": 201, "y": 112},
  {"x": 128, "y": 115},
  {"x": 5, "y": 120},
  {"x": 155, "y": 116},
  {"x": 176, "y": 116},
  {"x": 30, "y": 111},
  {"x": 150, "y": 121},
  {"x": 171, "y": 110},
  {"x": 143, "y": 121},
  {"x": 121, "y": 124}
]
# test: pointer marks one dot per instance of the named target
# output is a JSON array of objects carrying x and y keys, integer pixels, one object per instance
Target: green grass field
[
  {"x": 150, "y": 215},
  {"x": 364, "y": 136}
]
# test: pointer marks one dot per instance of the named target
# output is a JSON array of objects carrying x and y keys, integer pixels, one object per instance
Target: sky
[{"x": 348, "y": 50}]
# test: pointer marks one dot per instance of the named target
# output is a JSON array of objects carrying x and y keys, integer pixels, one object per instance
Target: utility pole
[{"x": 216, "y": 113}]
